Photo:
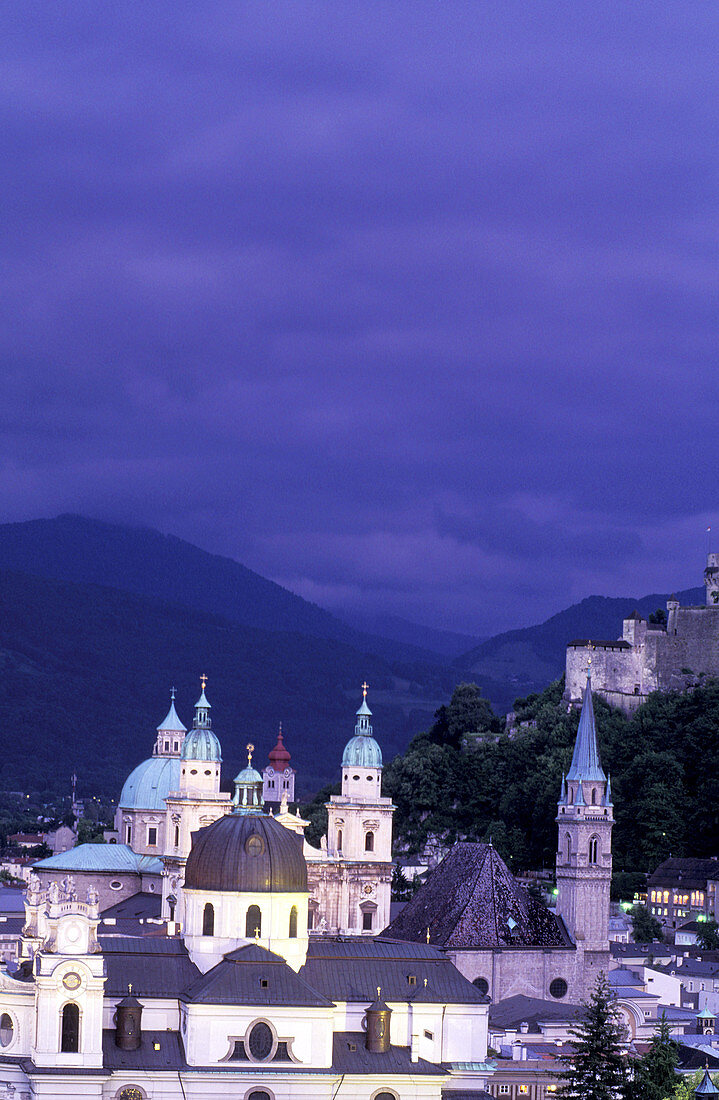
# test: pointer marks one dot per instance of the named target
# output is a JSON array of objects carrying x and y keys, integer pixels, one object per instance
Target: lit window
[{"x": 524, "y": 1090}]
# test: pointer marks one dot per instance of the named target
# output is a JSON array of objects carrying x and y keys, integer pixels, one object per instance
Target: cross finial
[
  {"x": 250, "y": 750},
  {"x": 427, "y": 933},
  {"x": 129, "y": 987},
  {"x": 203, "y": 681},
  {"x": 172, "y": 693},
  {"x": 365, "y": 689},
  {"x": 379, "y": 992},
  {"x": 257, "y": 935}
]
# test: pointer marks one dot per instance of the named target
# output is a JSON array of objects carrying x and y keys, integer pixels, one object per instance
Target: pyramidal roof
[
  {"x": 172, "y": 721},
  {"x": 472, "y": 900},
  {"x": 585, "y": 761}
]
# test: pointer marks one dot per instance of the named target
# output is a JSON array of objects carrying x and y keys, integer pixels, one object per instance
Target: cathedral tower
[{"x": 584, "y": 849}]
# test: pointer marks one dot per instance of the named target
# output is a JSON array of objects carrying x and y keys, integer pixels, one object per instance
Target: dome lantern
[
  {"x": 247, "y": 798},
  {"x": 201, "y": 743}
]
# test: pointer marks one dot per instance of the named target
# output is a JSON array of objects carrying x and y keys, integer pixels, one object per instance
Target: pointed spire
[
  {"x": 363, "y": 727},
  {"x": 579, "y": 800},
  {"x": 563, "y": 792},
  {"x": 608, "y": 793},
  {"x": 706, "y": 1086},
  {"x": 172, "y": 723},
  {"x": 585, "y": 761},
  {"x": 202, "y": 708}
]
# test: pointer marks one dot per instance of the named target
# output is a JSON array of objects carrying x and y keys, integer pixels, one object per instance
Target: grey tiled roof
[
  {"x": 252, "y": 976},
  {"x": 351, "y": 969},
  {"x": 396, "y": 1060},
  {"x": 171, "y": 1054},
  {"x": 472, "y": 900},
  {"x": 690, "y": 874},
  {"x": 137, "y": 905},
  {"x": 156, "y": 966},
  {"x": 513, "y": 1011}
]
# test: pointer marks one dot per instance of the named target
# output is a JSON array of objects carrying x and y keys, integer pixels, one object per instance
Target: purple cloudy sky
[{"x": 406, "y": 305}]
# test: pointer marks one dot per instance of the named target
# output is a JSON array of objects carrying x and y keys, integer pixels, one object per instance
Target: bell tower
[{"x": 584, "y": 849}]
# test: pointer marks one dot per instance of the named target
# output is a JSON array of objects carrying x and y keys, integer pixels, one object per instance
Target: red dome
[{"x": 279, "y": 757}]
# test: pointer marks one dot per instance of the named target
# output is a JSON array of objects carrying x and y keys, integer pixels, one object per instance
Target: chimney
[
  {"x": 128, "y": 1022},
  {"x": 378, "y": 1024}
]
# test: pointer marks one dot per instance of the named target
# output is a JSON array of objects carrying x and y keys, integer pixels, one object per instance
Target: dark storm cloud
[{"x": 406, "y": 305}]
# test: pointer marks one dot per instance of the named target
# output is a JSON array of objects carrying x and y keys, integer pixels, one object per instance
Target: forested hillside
[
  {"x": 664, "y": 765},
  {"x": 87, "y": 670}
]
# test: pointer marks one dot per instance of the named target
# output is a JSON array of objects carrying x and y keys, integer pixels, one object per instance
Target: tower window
[
  {"x": 593, "y": 849},
  {"x": 208, "y": 920},
  {"x": 128, "y": 834},
  {"x": 594, "y": 796},
  {"x": 177, "y": 836},
  {"x": 152, "y": 836},
  {"x": 293, "y": 922},
  {"x": 369, "y": 842},
  {"x": 367, "y": 922},
  {"x": 253, "y": 922},
  {"x": 177, "y": 746},
  {"x": 70, "y": 1030},
  {"x": 339, "y": 840},
  {"x": 6, "y": 1030},
  {"x": 167, "y": 746},
  {"x": 568, "y": 846}
]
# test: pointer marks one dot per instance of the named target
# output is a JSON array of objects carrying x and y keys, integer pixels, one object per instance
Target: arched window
[
  {"x": 594, "y": 796},
  {"x": 7, "y": 1029},
  {"x": 568, "y": 846},
  {"x": 70, "y": 1031},
  {"x": 253, "y": 922},
  {"x": 593, "y": 849},
  {"x": 293, "y": 922},
  {"x": 208, "y": 920},
  {"x": 339, "y": 840},
  {"x": 177, "y": 836},
  {"x": 369, "y": 842}
]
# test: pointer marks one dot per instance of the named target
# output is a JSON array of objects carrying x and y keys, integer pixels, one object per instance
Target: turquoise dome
[
  {"x": 201, "y": 744},
  {"x": 362, "y": 752},
  {"x": 147, "y": 787},
  {"x": 248, "y": 775}
]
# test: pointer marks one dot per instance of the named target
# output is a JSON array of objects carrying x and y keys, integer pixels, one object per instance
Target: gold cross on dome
[
  {"x": 257, "y": 934},
  {"x": 365, "y": 689},
  {"x": 250, "y": 750},
  {"x": 379, "y": 992},
  {"x": 129, "y": 987},
  {"x": 203, "y": 681},
  {"x": 427, "y": 934}
]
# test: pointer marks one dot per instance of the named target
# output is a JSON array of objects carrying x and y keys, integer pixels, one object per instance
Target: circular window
[
  {"x": 193, "y": 771},
  {"x": 482, "y": 985},
  {"x": 116, "y": 884},
  {"x": 207, "y": 771},
  {"x": 260, "y": 1042},
  {"x": 355, "y": 777},
  {"x": 558, "y": 988},
  {"x": 7, "y": 1029},
  {"x": 369, "y": 778},
  {"x": 254, "y": 845}
]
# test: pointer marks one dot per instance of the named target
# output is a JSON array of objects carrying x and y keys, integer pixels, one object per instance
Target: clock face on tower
[{"x": 71, "y": 981}]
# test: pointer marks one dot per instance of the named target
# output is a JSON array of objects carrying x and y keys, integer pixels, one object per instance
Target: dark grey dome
[{"x": 248, "y": 852}]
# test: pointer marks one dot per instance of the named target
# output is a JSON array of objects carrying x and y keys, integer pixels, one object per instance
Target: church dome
[
  {"x": 201, "y": 744},
  {"x": 362, "y": 751},
  {"x": 147, "y": 787},
  {"x": 248, "y": 853},
  {"x": 279, "y": 757}
]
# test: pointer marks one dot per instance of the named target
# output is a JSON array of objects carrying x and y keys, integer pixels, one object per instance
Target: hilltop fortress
[{"x": 649, "y": 657}]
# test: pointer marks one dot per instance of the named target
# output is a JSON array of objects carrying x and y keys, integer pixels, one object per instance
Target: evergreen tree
[
  {"x": 596, "y": 1070},
  {"x": 708, "y": 935},
  {"x": 654, "y": 1073}
]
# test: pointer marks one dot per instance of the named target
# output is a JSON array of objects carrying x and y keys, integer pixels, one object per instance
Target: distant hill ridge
[
  {"x": 533, "y": 656},
  {"x": 149, "y": 563}
]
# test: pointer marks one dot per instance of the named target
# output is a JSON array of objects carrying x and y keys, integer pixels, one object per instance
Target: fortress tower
[{"x": 584, "y": 849}]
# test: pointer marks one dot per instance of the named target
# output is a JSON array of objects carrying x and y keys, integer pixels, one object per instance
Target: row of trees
[{"x": 466, "y": 777}]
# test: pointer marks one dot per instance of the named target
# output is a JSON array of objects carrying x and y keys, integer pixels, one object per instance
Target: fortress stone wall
[{"x": 648, "y": 656}]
